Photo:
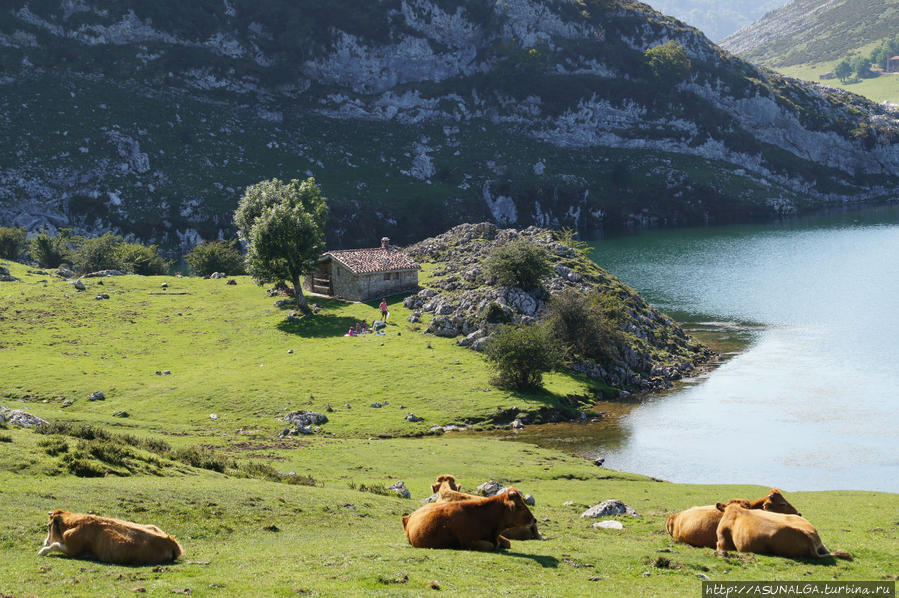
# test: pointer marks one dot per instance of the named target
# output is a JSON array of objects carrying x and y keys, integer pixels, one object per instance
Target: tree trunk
[{"x": 301, "y": 298}]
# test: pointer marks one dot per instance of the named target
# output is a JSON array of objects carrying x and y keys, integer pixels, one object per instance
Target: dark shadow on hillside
[
  {"x": 317, "y": 325},
  {"x": 547, "y": 562},
  {"x": 322, "y": 302}
]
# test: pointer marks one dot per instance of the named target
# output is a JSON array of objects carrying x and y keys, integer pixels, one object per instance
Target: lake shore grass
[{"x": 245, "y": 534}]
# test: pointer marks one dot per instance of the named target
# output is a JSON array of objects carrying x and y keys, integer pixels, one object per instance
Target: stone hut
[
  {"x": 364, "y": 274},
  {"x": 893, "y": 64}
]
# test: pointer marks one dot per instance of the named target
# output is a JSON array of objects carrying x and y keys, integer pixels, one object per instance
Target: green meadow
[{"x": 260, "y": 515}]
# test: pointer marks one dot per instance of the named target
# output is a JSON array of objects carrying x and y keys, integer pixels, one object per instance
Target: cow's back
[
  {"x": 764, "y": 532},
  {"x": 120, "y": 542},
  {"x": 696, "y": 526}
]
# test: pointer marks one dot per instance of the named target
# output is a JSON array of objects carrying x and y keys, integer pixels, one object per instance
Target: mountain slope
[
  {"x": 817, "y": 31},
  {"x": 414, "y": 115},
  {"x": 716, "y": 18}
]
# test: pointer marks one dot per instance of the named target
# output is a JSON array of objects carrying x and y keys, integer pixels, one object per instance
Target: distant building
[
  {"x": 826, "y": 76},
  {"x": 893, "y": 64},
  {"x": 363, "y": 274},
  {"x": 876, "y": 70}
]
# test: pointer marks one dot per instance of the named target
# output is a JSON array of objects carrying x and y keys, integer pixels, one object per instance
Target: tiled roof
[{"x": 362, "y": 261}]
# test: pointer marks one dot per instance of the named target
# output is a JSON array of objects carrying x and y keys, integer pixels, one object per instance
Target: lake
[{"x": 807, "y": 398}]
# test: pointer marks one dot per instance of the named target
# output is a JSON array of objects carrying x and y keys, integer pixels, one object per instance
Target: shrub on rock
[
  {"x": 518, "y": 263},
  {"x": 520, "y": 355}
]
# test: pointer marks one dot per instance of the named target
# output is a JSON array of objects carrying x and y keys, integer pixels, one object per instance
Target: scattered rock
[
  {"x": 37, "y": 272},
  {"x": 213, "y": 416},
  {"x": 400, "y": 488},
  {"x": 347, "y": 406},
  {"x": 490, "y": 488},
  {"x": 67, "y": 402},
  {"x": 328, "y": 408},
  {"x": 608, "y": 524},
  {"x": 8, "y": 278},
  {"x": 101, "y": 296},
  {"x": 284, "y": 302},
  {"x": 231, "y": 282},
  {"x": 159, "y": 372},
  {"x": 217, "y": 275},
  {"x": 568, "y": 503},
  {"x": 121, "y": 414},
  {"x": 164, "y": 286},
  {"x": 598, "y": 462},
  {"x": 64, "y": 272},
  {"x": 434, "y": 585},
  {"x": 272, "y": 528},
  {"x": 96, "y": 396},
  {"x": 78, "y": 284},
  {"x": 609, "y": 507},
  {"x": 517, "y": 425},
  {"x": 703, "y": 577},
  {"x": 104, "y": 273},
  {"x": 530, "y": 500},
  {"x": 414, "y": 418},
  {"x": 17, "y": 417},
  {"x": 290, "y": 351},
  {"x": 377, "y": 405},
  {"x": 166, "y": 372},
  {"x": 432, "y": 498}
]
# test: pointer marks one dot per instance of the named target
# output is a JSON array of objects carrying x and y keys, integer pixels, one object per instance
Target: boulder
[
  {"x": 414, "y": 418},
  {"x": 78, "y": 284},
  {"x": 102, "y": 296},
  {"x": 64, "y": 272},
  {"x": 120, "y": 414},
  {"x": 8, "y": 278},
  {"x": 490, "y": 488},
  {"x": 284, "y": 302},
  {"x": 17, "y": 417},
  {"x": 306, "y": 418},
  {"x": 530, "y": 500},
  {"x": 4, "y": 270},
  {"x": 613, "y": 506},
  {"x": 231, "y": 282},
  {"x": 217, "y": 275},
  {"x": 104, "y": 273},
  {"x": 608, "y": 524},
  {"x": 517, "y": 424},
  {"x": 400, "y": 488},
  {"x": 96, "y": 396}
]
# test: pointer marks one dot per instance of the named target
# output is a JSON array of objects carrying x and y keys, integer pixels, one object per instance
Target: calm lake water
[{"x": 810, "y": 400}]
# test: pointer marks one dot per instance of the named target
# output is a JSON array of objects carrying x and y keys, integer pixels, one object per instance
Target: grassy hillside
[
  {"x": 814, "y": 31},
  {"x": 244, "y": 533}
]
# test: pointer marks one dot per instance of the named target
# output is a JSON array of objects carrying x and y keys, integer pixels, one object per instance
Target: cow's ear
[
  {"x": 513, "y": 493},
  {"x": 720, "y": 506}
]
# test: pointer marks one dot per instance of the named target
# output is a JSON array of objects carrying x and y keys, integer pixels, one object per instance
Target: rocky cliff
[{"x": 414, "y": 115}]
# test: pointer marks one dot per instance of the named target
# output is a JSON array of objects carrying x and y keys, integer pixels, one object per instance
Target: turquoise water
[{"x": 812, "y": 402}]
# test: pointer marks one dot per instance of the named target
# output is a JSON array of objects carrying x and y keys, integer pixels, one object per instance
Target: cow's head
[
  {"x": 448, "y": 480},
  {"x": 518, "y": 512},
  {"x": 776, "y": 503}
]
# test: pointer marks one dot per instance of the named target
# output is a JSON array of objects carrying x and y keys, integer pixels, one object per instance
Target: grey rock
[
  {"x": 306, "y": 418},
  {"x": 703, "y": 577},
  {"x": 517, "y": 425},
  {"x": 290, "y": 351},
  {"x": 121, "y": 414},
  {"x": 5, "y": 270},
  {"x": 101, "y": 296},
  {"x": 284, "y": 302},
  {"x": 608, "y": 524},
  {"x": 231, "y": 282},
  {"x": 432, "y": 498},
  {"x": 490, "y": 488},
  {"x": 217, "y": 275},
  {"x": 8, "y": 278},
  {"x": 166, "y": 372},
  {"x": 377, "y": 405},
  {"x": 22, "y": 419},
  {"x": 414, "y": 418},
  {"x": 96, "y": 396},
  {"x": 530, "y": 500},
  {"x": 64, "y": 272},
  {"x": 609, "y": 507},
  {"x": 400, "y": 488},
  {"x": 78, "y": 285},
  {"x": 104, "y": 273}
]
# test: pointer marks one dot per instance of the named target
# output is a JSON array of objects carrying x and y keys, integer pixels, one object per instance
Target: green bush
[
  {"x": 668, "y": 62},
  {"x": 586, "y": 325},
  {"x": 216, "y": 256},
  {"x": 12, "y": 243},
  {"x": 79, "y": 465},
  {"x": 97, "y": 253},
  {"x": 518, "y": 264},
  {"x": 50, "y": 251},
  {"x": 201, "y": 458},
  {"x": 54, "y": 445},
  {"x": 5, "y": 438},
  {"x": 520, "y": 355},
  {"x": 140, "y": 259}
]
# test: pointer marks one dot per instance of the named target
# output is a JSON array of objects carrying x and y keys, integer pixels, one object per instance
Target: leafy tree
[
  {"x": 861, "y": 66},
  {"x": 520, "y": 355},
  {"x": 12, "y": 242},
  {"x": 843, "y": 70},
  {"x": 518, "y": 264},
  {"x": 283, "y": 225},
  {"x": 216, "y": 256},
  {"x": 586, "y": 324},
  {"x": 668, "y": 62}
]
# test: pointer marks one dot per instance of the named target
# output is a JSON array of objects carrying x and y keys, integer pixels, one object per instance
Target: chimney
[{"x": 385, "y": 242}]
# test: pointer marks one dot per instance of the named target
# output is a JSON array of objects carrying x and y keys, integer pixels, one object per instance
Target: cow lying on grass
[
  {"x": 748, "y": 530},
  {"x": 448, "y": 491},
  {"x": 108, "y": 540},
  {"x": 471, "y": 524},
  {"x": 698, "y": 525}
]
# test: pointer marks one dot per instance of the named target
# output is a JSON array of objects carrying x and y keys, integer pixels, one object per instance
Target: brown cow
[
  {"x": 472, "y": 524},
  {"x": 448, "y": 491},
  {"x": 762, "y": 532},
  {"x": 698, "y": 525},
  {"x": 108, "y": 540}
]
